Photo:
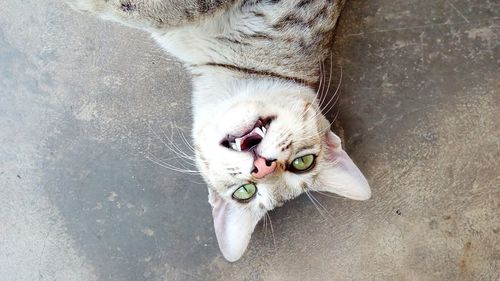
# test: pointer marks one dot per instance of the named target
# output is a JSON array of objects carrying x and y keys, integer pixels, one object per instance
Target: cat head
[{"x": 261, "y": 144}]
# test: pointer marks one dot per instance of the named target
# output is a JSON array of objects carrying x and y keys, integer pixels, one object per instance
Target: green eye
[
  {"x": 304, "y": 163},
  {"x": 245, "y": 192}
]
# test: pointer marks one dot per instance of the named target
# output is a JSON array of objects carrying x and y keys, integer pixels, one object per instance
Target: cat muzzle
[{"x": 249, "y": 140}]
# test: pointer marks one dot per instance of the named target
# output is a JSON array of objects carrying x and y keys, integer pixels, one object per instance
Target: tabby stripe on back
[{"x": 309, "y": 84}]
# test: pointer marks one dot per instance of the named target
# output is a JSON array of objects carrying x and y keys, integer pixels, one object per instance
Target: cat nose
[{"x": 263, "y": 167}]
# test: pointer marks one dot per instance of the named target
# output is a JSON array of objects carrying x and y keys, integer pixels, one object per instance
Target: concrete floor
[{"x": 82, "y": 103}]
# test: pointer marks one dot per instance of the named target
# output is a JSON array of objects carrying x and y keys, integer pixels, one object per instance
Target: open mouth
[{"x": 251, "y": 138}]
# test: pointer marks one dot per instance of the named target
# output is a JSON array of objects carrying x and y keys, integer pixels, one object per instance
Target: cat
[{"x": 259, "y": 135}]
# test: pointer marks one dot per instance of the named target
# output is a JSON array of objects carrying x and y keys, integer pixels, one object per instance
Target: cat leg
[{"x": 152, "y": 14}]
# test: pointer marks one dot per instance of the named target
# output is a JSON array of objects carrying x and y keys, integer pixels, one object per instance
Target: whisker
[
  {"x": 321, "y": 205},
  {"x": 321, "y": 104},
  {"x": 174, "y": 144},
  {"x": 329, "y": 79},
  {"x": 335, "y": 94},
  {"x": 318, "y": 92},
  {"x": 184, "y": 139},
  {"x": 317, "y": 96},
  {"x": 272, "y": 229},
  {"x": 328, "y": 194},
  {"x": 335, "y": 118},
  {"x": 264, "y": 226},
  {"x": 185, "y": 157},
  {"x": 170, "y": 167},
  {"x": 315, "y": 205}
]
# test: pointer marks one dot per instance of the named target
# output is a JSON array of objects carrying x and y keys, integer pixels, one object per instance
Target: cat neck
[
  {"x": 201, "y": 55},
  {"x": 241, "y": 41}
]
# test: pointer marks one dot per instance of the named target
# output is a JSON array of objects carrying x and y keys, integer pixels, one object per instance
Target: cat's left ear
[
  {"x": 233, "y": 226},
  {"x": 341, "y": 175}
]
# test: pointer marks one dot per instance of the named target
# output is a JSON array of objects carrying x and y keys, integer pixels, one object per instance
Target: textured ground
[{"x": 83, "y": 103}]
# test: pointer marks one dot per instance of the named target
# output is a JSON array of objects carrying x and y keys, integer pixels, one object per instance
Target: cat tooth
[
  {"x": 237, "y": 143},
  {"x": 264, "y": 129},
  {"x": 233, "y": 145},
  {"x": 259, "y": 131}
]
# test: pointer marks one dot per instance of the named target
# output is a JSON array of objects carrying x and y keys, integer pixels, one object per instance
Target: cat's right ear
[{"x": 233, "y": 226}]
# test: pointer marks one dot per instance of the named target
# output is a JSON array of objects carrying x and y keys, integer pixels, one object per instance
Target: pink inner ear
[
  {"x": 233, "y": 226},
  {"x": 219, "y": 208},
  {"x": 333, "y": 141},
  {"x": 340, "y": 175}
]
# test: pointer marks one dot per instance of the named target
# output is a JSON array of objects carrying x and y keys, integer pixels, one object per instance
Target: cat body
[{"x": 260, "y": 138}]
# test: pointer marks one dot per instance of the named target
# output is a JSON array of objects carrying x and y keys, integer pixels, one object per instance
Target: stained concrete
[{"x": 86, "y": 105}]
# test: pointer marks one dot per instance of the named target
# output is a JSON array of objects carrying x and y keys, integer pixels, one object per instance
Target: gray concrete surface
[{"x": 83, "y": 104}]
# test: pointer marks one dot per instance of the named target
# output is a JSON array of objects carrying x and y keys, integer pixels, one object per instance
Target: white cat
[{"x": 259, "y": 135}]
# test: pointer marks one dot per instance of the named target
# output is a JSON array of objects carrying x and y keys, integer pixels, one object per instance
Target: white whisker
[
  {"x": 318, "y": 205},
  {"x": 170, "y": 167},
  {"x": 264, "y": 226},
  {"x": 328, "y": 194},
  {"x": 272, "y": 229},
  {"x": 187, "y": 158}
]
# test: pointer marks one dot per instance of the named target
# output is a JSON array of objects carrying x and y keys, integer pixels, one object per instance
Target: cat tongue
[{"x": 249, "y": 140}]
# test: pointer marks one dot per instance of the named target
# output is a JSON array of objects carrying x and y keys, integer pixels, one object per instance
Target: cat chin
[
  {"x": 220, "y": 93},
  {"x": 225, "y": 105}
]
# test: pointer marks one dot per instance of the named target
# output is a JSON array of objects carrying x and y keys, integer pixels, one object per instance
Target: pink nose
[{"x": 263, "y": 167}]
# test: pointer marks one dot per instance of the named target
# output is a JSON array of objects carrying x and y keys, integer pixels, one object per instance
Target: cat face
[{"x": 263, "y": 146}]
